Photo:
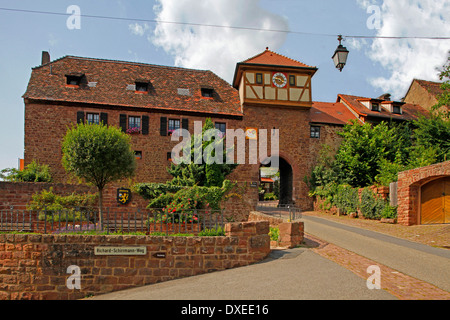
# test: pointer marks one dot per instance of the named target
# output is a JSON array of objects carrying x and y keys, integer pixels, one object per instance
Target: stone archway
[
  {"x": 286, "y": 181},
  {"x": 418, "y": 190}
]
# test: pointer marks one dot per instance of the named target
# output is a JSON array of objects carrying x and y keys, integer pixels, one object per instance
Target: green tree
[
  {"x": 432, "y": 136},
  {"x": 444, "y": 99},
  {"x": 98, "y": 154},
  {"x": 198, "y": 171},
  {"x": 34, "y": 172},
  {"x": 358, "y": 159}
]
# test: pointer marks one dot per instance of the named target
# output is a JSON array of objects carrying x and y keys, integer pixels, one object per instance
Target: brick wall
[
  {"x": 19, "y": 194},
  {"x": 237, "y": 206},
  {"x": 291, "y": 234},
  {"x": 409, "y": 188},
  {"x": 46, "y": 125},
  {"x": 420, "y": 96},
  {"x": 34, "y": 267}
]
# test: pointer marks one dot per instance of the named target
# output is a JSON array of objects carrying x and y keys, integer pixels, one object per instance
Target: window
[
  {"x": 141, "y": 87},
  {"x": 169, "y": 156},
  {"x": 93, "y": 118},
  {"x": 222, "y": 127},
  {"x": 174, "y": 124},
  {"x": 315, "y": 132},
  {"x": 259, "y": 78},
  {"x": 138, "y": 155},
  {"x": 292, "y": 81},
  {"x": 375, "y": 107},
  {"x": 207, "y": 92},
  {"x": 73, "y": 80},
  {"x": 134, "y": 122},
  {"x": 397, "y": 109}
]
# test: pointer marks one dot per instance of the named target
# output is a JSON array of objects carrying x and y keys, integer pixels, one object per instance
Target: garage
[{"x": 435, "y": 202}]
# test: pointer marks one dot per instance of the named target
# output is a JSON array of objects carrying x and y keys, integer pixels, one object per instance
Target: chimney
[
  {"x": 385, "y": 97},
  {"x": 45, "y": 57}
]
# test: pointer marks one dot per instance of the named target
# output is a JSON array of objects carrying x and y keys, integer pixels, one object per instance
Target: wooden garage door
[
  {"x": 435, "y": 202},
  {"x": 447, "y": 200}
]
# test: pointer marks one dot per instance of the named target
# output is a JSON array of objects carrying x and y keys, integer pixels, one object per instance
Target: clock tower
[
  {"x": 274, "y": 80},
  {"x": 275, "y": 93}
]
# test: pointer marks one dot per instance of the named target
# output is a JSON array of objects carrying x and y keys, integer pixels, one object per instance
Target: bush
[
  {"x": 270, "y": 197},
  {"x": 371, "y": 205},
  {"x": 34, "y": 172},
  {"x": 151, "y": 191},
  {"x": 62, "y": 207},
  {"x": 191, "y": 198},
  {"x": 213, "y": 232},
  {"x": 389, "y": 212},
  {"x": 274, "y": 233},
  {"x": 346, "y": 199}
]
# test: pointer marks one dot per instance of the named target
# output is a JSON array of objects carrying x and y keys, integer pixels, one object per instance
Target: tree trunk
[{"x": 100, "y": 207}]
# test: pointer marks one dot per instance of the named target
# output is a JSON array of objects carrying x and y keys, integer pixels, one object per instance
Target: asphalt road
[
  {"x": 295, "y": 274},
  {"x": 420, "y": 261}
]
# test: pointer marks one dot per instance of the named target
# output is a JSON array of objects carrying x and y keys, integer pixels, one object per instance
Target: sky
[{"x": 216, "y": 34}]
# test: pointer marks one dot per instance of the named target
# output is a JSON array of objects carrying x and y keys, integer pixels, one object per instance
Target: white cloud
[
  {"x": 407, "y": 59},
  {"x": 213, "y": 48},
  {"x": 138, "y": 29}
]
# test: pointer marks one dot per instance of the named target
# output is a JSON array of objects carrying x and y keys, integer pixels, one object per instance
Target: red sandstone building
[{"x": 269, "y": 91}]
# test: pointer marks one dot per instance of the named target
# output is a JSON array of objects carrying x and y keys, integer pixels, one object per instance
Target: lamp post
[{"x": 340, "y": 55}]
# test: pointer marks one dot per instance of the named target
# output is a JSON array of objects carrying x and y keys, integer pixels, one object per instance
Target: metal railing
[
  {"x": 282, "y": 210},
  {"x": 113, "y": 221}
]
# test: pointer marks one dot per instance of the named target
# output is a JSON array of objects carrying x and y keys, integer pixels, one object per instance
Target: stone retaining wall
[{"x": 35, "y": 267}]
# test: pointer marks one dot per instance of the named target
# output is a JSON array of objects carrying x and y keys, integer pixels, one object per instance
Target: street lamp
[{"x": 340, "y": 55}]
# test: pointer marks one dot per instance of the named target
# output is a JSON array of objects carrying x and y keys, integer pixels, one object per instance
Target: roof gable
[{"x": 268, "y": 57}]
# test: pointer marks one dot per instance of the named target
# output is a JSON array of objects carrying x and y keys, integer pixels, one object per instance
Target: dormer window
[
  {"x": 142, "y": 87},
  {"x": 74, "y": 79},
  {"x": 207, "y": 92},
  {"x": 397, "y": 109},
  {"x": 375, "y": 106}
]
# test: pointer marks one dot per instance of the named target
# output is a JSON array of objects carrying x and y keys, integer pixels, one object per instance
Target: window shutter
[
  {"x": 145, "y": 121},
  {"x": 185, "y": 124},
  {"x": 104, "y": 118},
  {"x": 163, "y": 129},
  {"x": 80, "y": 117},
  {"x": 123, "y": 122}
]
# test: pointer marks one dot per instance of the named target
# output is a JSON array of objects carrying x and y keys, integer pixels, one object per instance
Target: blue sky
[{"x": 374, "y": 66}]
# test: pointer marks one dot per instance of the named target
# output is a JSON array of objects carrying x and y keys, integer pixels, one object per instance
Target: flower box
[{"x": 134, "y": 131}]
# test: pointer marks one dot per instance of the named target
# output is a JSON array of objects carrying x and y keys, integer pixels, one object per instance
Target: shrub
[
  {"x": 270, "y": 197},
  {"x": 371, "y": 205},
  {"x": 62, "y": 207},
  {"x": 346, "y": 199},
  {"x": 151, "y": 191},
  {"x": 213, "y": 232},
  {"x": 388, "y": 172},
  {"x": 389, "y": 212},
  {"x": 274, "y": 233},
  {"x": 34, "y": 172}
]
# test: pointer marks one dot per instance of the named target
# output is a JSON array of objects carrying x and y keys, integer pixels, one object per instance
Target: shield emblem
[{"x": 123, "y": 196}]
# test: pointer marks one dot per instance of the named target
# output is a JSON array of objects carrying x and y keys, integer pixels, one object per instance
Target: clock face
[{"x": 279, "y": 79}]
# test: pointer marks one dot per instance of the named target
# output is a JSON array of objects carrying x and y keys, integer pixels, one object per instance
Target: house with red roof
[
  {"x": 269, "y": 92},
  {"x": 424, "y": 93}
]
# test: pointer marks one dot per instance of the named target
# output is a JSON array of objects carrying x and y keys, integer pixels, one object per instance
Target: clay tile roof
[
  {"x": 272, "y": 58},
  {"x": 331, "y": 113},
  {"x": 409, "y": 111},
  {"x": 432, "y": 87},
  {"x": 115, "y": 79}
]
